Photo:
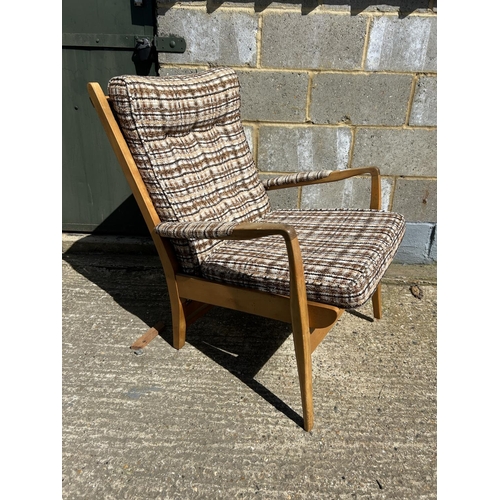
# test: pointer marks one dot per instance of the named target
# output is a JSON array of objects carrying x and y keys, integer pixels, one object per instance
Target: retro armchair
[{"x": 182, "y": 148}]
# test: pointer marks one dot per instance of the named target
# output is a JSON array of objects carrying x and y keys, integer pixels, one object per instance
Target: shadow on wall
[{"x": 404, "y": 7}]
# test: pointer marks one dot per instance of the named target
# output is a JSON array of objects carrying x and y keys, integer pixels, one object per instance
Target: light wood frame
[{"x": 191, "y": 297}]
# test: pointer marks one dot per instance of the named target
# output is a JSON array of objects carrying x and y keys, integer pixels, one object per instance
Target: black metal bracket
[{"x": 169, "y": 43}]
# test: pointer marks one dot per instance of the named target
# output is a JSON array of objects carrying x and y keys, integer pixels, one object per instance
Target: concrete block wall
[{"x": 329, "y": 84}]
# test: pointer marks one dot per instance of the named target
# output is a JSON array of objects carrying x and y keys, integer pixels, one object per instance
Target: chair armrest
[
  {"x": 195, "y": 230},
  {"x": 298, "y": 295},
  {"x": 291, "y": 180},
  {"x": 299, "y": 313},
  {"x": 239, "y": 231},
  {"x": 323, "y": 176},
  {"x": 223, "y": 230}
]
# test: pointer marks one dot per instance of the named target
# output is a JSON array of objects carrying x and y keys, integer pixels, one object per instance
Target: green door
[{"x": 99, "y": 38}]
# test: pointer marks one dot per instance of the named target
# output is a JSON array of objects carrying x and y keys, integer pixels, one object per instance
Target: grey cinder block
[
  {"x": 319, "y": 40},
  {"x": 408, "y": 44},
  {"x": 287, "y": 149},
  {"x": 273, "y": 95},
  {"x": 397, "y": 151},
  {"x": 249, "y": 136},
  {"x": 360, "y": 99},
  {"x": 416, "y": 243},
  {"x": 284, "y": 199},
  {"x": 416, "y": 199},
  {"x": 424, "y": 106},
  {"x": 224, "y": 37},
  {"x": 433, "y": 249}
]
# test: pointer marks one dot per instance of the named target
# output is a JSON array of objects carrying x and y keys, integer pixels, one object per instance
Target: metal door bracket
[{"x": 169, "y": 43}]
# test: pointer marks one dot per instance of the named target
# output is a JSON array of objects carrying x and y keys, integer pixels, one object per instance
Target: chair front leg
[{"x": 301, "y": 330}]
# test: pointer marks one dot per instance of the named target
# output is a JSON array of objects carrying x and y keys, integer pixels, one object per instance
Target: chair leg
[
  {"x": 178, "y": 316},
  {"x": 178, "y": 325},
  {"x": 304, "y": 367},
  {"x": 300, "y": 325},
  {"x": 377, "y": 302}
]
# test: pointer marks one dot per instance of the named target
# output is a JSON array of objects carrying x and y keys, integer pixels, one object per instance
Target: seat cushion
[{"x": 345, "y": 254}]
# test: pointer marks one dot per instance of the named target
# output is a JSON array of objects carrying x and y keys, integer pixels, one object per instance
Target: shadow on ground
[{"x": 240, "y": 343}]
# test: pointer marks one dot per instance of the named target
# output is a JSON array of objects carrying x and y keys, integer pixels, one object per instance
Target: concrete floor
[{"x": 219, "y": 419}]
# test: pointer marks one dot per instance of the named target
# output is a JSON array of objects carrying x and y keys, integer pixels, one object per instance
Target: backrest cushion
[{"x": 186, "y": 137}]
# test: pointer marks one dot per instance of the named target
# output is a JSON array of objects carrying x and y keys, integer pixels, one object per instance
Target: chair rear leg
[{"x": 377, "y": 302}]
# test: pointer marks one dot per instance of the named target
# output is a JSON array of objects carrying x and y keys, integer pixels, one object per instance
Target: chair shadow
[{"x": 240, "y": 343}]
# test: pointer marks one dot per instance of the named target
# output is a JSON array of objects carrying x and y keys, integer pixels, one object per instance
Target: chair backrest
[{"x": 186, "y": 137}]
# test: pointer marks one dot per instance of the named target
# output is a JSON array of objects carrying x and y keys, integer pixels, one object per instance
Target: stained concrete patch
[{"x": 219, "y": 419}]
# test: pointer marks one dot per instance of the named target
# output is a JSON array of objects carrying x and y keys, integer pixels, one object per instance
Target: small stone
[{"x": 416, "y": 291}]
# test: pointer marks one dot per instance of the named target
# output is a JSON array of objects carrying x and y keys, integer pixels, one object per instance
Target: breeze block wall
[{"x": 329, "y": 84}]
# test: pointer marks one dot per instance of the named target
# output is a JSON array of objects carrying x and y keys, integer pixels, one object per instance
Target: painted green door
[{"x": 98, "y": 43}]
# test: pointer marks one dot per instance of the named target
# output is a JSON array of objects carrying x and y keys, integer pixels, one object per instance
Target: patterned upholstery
[
  {"x": 187, "y": 139},
  {"x": 345, "y": 254},
  {"x": 281, "y": 180}
]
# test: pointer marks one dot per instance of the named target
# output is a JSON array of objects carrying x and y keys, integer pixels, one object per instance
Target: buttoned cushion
[{"x": 187, "y": 139}]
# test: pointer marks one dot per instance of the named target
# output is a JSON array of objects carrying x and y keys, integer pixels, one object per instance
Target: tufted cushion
[
  {"x": 345, "y": 254},
  {"x": 186, "y": 137}
]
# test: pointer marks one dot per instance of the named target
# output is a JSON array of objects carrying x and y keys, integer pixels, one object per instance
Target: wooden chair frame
[{"x": 191, "y": 297}]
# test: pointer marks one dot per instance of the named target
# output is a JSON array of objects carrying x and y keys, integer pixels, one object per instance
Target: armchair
[{"x": 182, "y": 148}]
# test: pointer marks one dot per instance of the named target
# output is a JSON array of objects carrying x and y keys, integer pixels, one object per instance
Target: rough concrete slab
[
  {"x": 273, "y": 95},
  {"x": 219, "y": 418},
  {"x": 424, "y": 106},
  {"x": 222, "y": 37},
  {"x": 320, "y": 40},
  {"x": 301, "y": 149},
  {"x": 402, "y": 44},
  {"x": 402, "y": 6},
  {"x": 360, "y": 99},
  {"x": 411, "y": 152},
  {"x": 91, "y": 243},
  {"x": 416, "y": 199}
]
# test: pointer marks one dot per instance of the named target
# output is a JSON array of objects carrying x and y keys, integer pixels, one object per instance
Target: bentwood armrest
[
  {"x": 223, "y": 230},
  {"x": 243, "y": 231},
  {"x": 287, "y": 181},
  {"x": 251, "y": 230}
]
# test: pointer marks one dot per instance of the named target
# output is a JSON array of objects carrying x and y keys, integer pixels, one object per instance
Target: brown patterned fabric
[
  {"x": 195, "y": 230},
  {"x": 294, "y": 178},
  {"x": 345, "y": 254},
  {"x": 186, "y": 137}
]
